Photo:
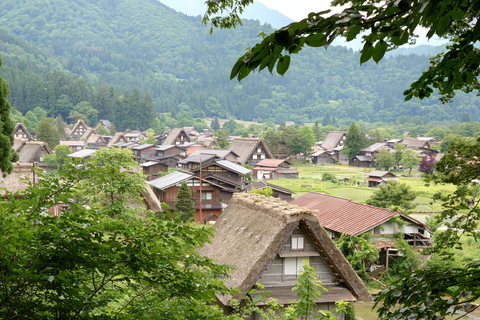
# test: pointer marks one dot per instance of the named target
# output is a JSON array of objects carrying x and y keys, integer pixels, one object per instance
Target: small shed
[{"x": 380, "y": 178}]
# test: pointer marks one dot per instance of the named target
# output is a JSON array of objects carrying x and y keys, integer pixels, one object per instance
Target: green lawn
[{"x": 310, "y": 179}]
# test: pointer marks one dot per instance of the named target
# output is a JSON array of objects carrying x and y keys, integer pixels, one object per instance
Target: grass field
[{"x": 310, "y": 179}]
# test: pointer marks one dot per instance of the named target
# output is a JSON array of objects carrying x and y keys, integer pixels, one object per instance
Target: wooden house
[
  {"x": 142, "y": 151},
  {"x": 135, "y": 136},
  {"x": 323, "y": 157},
  {"x": 278, "y": 192},
  {"x": 177, "y": 136},
  {"x": 79, "y": 130},
  {"x": 74, "y": 145},
  {"x": 267, "y": 240},
  {"x": 88, "y": 133},
  {"x": 272, "y": 169},
  {"x": 343, "y": 216},
  {"x": 250, "y": 150},
  {"x": 117, "y": 138},
  {"x": 21, "y": 132},
  {"x": 166, "y": 189},
  {"x": 219, "y": 154},
  {"x": 31, "y": 151},
  {"x": 411, "y": 143},
  {"x": 152, "y": 168},
  {"x": 380, "y": 178},
  {"x": 371, "y": 151},
  {"x": 362, "y": 162},
  {"x": 96, "y": 141}
]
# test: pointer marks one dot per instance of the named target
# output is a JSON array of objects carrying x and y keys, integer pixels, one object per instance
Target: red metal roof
[{"x": 344, "y": 215}]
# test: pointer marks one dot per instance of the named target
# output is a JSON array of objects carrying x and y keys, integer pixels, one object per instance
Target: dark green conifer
[
  {"x": 184, "y": 206},
  {"x": 7, "y": 155}
]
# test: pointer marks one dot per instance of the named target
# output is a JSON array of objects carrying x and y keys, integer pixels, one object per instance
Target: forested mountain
[{"x": 119, "y": 45}]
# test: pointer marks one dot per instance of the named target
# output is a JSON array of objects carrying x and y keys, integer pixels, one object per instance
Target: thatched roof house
[
  {"x": 267, "y": 239},
  {"x": 18, "y": 179},
  {"x": 250, "y": 150}
]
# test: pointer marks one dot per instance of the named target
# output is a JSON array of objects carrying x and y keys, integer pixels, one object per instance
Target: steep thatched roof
[
  {"x": 14, "y": 182},
  {"x": 118, "y": 137},
  {"x": 29, "y": 149},
  {"x": 333, "y": 139},
  {"x": 173, "y": 136},
  {"x": 20, "y": 129},
  {"x": 251, "y": 231},
  {"x": 245, "y": 147}
]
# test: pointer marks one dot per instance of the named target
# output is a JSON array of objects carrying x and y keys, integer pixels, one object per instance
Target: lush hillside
[{"x": 131, "y": 44}]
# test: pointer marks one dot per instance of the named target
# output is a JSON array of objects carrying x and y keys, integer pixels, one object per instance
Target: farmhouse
[
  {"x": 380, "y": 178},
  {"x": 343, "y": 216},
  {"x": 267, "y": 241},
  {"x": 250, "y": 150}
]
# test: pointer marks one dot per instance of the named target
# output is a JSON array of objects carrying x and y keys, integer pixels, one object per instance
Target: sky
[{"x": 299, "y": 9}]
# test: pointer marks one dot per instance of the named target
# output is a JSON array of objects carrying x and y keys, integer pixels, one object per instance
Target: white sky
[{"x": 299, "y": 9}]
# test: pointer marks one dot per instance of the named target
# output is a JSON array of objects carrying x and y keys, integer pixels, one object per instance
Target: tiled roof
[
  {"x": 343, "y": 215},
  {"x": 233, "y": 166}
]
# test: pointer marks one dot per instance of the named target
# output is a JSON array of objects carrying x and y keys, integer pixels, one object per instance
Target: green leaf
[
  {"x": 283, "y": 64},
  {"x": 380, "y": 49},
  {"x": 352, "y": 33},
  {"x": 243, "y": 72},
  {"x": 456, "y": 14},
  {"x": 316, "y": 40},
  {"x": 443, "y": 24},
  {"x": 367, "y": 53},
  {"x": 236, "y": 68}
]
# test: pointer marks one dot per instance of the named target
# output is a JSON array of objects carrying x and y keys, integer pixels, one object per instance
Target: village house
[
  {"x": 152, "y": 168},
  {"x": 362, "y": 162},
  {"x": 274, "y": 255},
  {"x": 168, "y": 155},
  {"x": 273, "y": 169},
  {"x": 74, "y": 145},
  {"x": 21, "y": 132},
  {"x": 177, "y": 136},
  {"x": 83, "y": 154},
  {"x": 222, "y": 172},
  {"x": 378, "y": 178},
  {"x": 135, "y": 136},
  {"x": 250, "y": 151},
  {"x": 375, "y": 148},
  {"x": 143, "y": 151},
  {"x": 31, "y": 151},
  {"x": 79, "y": 130},
  {"x": 18, "y": 180},
  {"x": 220, "y": 154},
  {"x": 96, "y": 141},
  {"x": 343, "y": 216},
  {"x": 166, "y": 189},
  {"x": 278, "y": 192},
  {"x": 331, "y": 149},
  {"x": 117, "y": 138},
  {"x": 411, "y": 143}
]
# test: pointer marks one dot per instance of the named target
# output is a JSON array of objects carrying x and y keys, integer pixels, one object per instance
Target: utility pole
[{"x": 201, "y": 195}]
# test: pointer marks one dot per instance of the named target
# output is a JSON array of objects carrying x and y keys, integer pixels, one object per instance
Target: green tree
[
  {"x": 185, "y": 206},
  {"x": 399, "y": 149},
  {"x": 410, "y": 160},
  {"x": 445, "y": 144},
  {"x": 354, "y": 141},
  {"x": 384, "y": 159},
  {"x": 47, "y": 131},
  {"x": 60, "y": 127},
  {"x": 215, "y": 124},
  {"x": 222, "y": 138},
  {"x": 58, "y": 158},
  {"x": 91, "y": 263},
  {"x": 307, "y": 141},
  {"x": 317, "y": 132},
  {"x": 267, "y": 191},
  {"x": 7, "y": 155},
  {"x": 393, "y": 194},
  {"x": 387, "y": 26},
  {"x": 359, "y": 251}
]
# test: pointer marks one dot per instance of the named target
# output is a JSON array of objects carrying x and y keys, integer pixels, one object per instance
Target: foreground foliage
[{"x": 100, "y": 261}]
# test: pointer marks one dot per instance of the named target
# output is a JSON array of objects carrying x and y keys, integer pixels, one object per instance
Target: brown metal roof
[
  {"x": 270, "y": 162},
  {"x": 344, "y": 215}
]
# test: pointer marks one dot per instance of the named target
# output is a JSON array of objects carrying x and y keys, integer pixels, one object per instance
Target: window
[
  {"x": 297, "y": 243},
  {"x": 259, "y": 150},
  {"x": 293, "y": 266},
  {"x": 207, "y": 195},
  {"x": 254, "y": 156},
  {"x": 262, "y": 156}
]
